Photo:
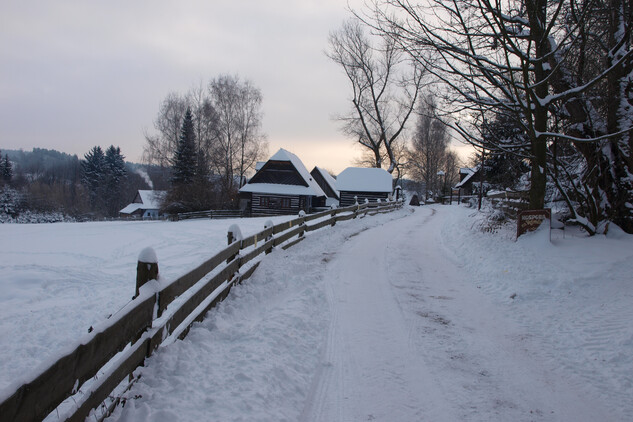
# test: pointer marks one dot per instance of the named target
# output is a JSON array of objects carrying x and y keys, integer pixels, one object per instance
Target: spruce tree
[
  {"x": 185, "y": 162},
  {"x": 114, "y": 174},
  {"x": 93, "y": 176},
  {"x": 7, "y": 169},
  {"x": 503, "y": 165}
]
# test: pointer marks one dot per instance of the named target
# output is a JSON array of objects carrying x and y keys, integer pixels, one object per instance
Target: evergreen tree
[
  {"x": 93, "y": 175},
  {"x": 7, "y": 169},
  {"x": 114, "y": 175},
  {"x": 504, "y": 164},
  {"x": 190, "y": 189},
  {"x": 185, "y": 160}
]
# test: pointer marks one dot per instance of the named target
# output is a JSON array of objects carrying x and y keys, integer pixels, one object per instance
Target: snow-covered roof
[
  {"x": 151, "y": 199},
  {"x": 328, "y": 178},
  {"x": 357, "y": 179},
  {"x": 131, "y": 208},
  {"x": 469, "y": 172},
  {"x": 313, "y": 188}
]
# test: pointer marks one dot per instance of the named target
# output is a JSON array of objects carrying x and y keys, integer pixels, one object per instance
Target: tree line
[
  {"x": 539, "y": 82},
  {"x": 204, "y": 144},
  {"x": 97, "y": 186}
]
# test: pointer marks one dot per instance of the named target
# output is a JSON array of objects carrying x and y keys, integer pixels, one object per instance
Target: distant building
[
  {"x": 466, "y": 178},
  {"x": 356, "y": 183},
  {"x": 328, "y": 184},
  {"x": 281, "y": 186},
  {"x": 146, "y": 205}
]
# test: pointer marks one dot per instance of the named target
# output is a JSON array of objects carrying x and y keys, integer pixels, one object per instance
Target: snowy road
[
  {"x": 411, "y": 341},
  {"x": 375, "y": 320}
]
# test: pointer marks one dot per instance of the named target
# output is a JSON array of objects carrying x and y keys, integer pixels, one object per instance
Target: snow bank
[{"x": 573, "y": 295}]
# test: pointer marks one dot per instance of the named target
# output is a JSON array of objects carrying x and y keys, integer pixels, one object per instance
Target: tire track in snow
[
  {"x": 371, "y": 371},
  {"x": 412, "y": 339}
]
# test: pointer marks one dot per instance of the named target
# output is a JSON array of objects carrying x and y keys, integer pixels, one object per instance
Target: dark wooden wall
[
  {"x": 318, "y": 177},
  {"x": 266, "y": 204},
  {"x": 347, "y": 197}
]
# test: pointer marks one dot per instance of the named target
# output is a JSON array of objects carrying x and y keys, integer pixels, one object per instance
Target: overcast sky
[{"x": 75, "y": 74}]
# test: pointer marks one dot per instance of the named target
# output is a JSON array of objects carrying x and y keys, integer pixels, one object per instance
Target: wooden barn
[
  {"x": 328, "y": 185},
  {"x": 363, "y": 183},
  {"x": 281, "y": 186}
]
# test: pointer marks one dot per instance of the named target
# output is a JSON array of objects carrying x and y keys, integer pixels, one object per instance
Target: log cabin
[
  {"x": 281, "y": 186},
  {"x": 356, "y": 183}
]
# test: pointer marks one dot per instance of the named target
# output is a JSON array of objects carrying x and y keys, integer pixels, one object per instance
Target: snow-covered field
[
  {"x": 413, "y": 315},
  {"x": 57, "y": 280}
]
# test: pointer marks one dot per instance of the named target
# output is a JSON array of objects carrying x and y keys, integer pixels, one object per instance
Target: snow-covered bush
[
  {"x": 10, "y": 202},
  {"x": 12, "y": 210}
]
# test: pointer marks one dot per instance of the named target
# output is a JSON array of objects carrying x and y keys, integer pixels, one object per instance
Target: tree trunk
[
  {"x": 537, "y": 15},
  {"x": 618, "y": 185}
]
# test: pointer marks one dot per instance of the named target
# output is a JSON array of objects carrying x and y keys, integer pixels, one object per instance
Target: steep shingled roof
[{"x": 312, "y": 188}]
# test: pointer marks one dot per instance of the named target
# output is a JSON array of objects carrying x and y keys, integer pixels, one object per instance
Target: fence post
[
  {"x": 146, "y": 268},
  {"x": 357, "y": 206},
  {"x": 333, "y": 214},
  {"x": 233, "y": 235},
  {"x": 302, "y": 215},
  {"x": 268, "y": 225}
]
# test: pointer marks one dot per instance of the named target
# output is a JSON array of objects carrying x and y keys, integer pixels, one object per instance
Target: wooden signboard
[{"x": 530, "y": 220}]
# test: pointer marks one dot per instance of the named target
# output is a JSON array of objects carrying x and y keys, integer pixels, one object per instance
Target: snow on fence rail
[{"x": 114, "y": 349}]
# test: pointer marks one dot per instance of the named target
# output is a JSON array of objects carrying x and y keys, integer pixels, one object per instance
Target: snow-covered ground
[
  {"x": 57, "y": 280},
  {"x": 408, "y": 316}
]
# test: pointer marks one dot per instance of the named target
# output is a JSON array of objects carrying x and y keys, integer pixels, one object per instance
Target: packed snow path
[{"x": 364, "y": 322}]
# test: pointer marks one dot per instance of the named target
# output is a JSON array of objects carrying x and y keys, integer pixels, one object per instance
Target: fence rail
[
  {"x": 215, "y": 214},
  {"x": 116, "y": 348},
  {"x": 511, "y": 203}
]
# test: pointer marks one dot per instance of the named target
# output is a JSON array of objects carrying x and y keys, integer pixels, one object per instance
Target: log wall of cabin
[
  {"x": 347, "y": 197},
  {"x": 266, "y": 204}
]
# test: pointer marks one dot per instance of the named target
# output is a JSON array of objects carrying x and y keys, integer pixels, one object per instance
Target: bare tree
[
  {"x": 515, "y": 57},
  {"x": 429, "y": 147},
  {"x": 252, "y": 144},
  {"x": 160, "y": 147},
  {"x": 205, "y": 127},
  {"x": 385, "y": 87},
  {"x": 240, "y": 142}
]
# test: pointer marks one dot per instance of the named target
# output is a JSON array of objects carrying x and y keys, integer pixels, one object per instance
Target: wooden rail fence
[
  {"x": 112, "y": 351},
  {"x": 511, "y": 203},
  {"x": 214, "y": 214}
]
